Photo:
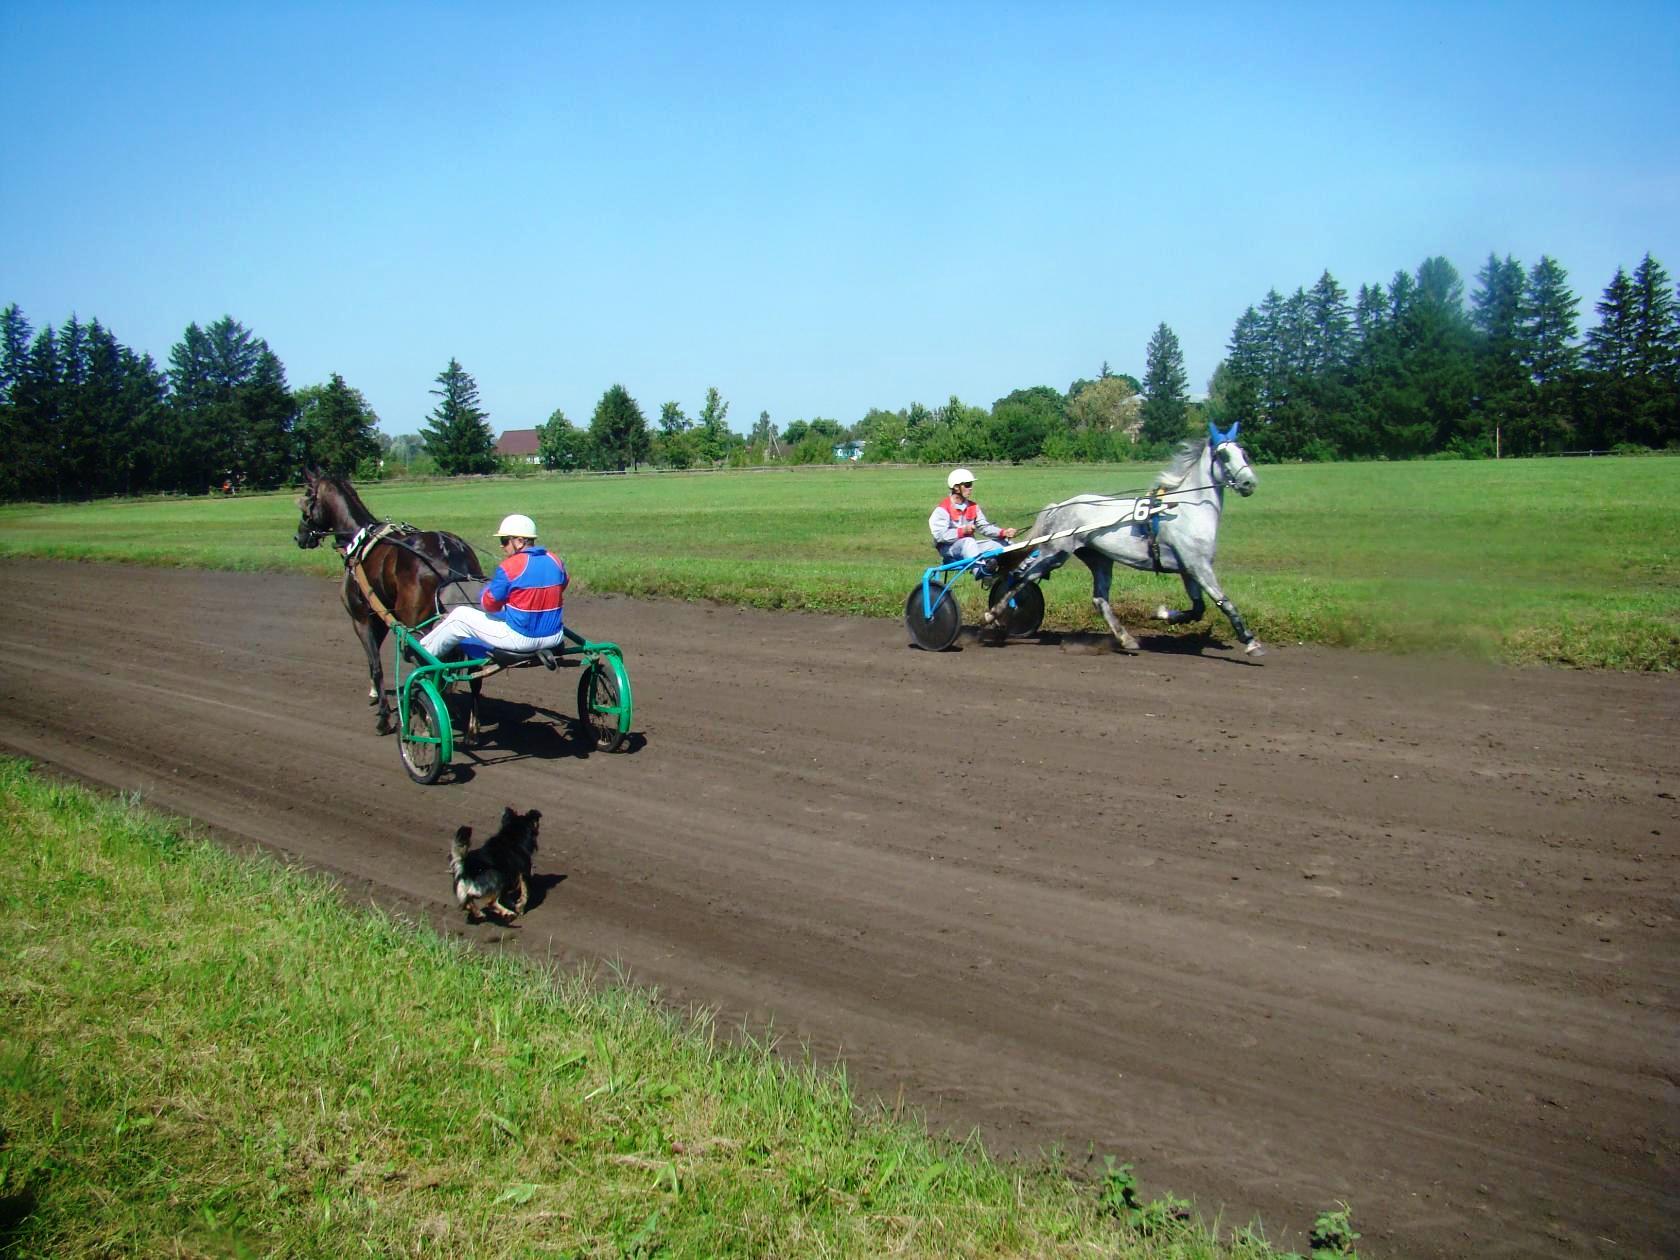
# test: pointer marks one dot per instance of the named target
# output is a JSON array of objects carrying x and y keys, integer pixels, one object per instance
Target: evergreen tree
[
  {"x": 618, "y": 431},
  {"x": 267, "y": 454},
  {"x": 1655, "y": 415},
  {"x": 1608, "y": 357},
  {"x": 233, "y": 413},
  {"x": 457, "y": 434},
  {"x": 1441, "y": 369},
  {"x": 14, "y": 349},
  {"x": 1242, "y": 376},
  {"x": 1504, "y": 392},
  {"x": 1165, "y": 389},
  {"x": 14, "y": 363},
  {"x": 1551, "y": 357},
  {"x": 36, "y": 397},
  {"x": 336, "y": 428}
]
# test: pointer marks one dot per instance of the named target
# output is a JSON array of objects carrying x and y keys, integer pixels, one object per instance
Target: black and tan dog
[{"x": 493, "y": 879}]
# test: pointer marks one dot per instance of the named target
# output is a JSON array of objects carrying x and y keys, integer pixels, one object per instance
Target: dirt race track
[{"x": 1330, "y": 927}]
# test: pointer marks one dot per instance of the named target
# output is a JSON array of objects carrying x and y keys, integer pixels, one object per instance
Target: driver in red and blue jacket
[
  {"x": 959, "y": 525},
  {"x": 522, "y": 608}
]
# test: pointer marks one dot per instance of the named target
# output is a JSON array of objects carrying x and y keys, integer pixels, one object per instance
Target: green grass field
[
  {"x": 1572, "y": 562},
  {"x": 208, "y": 1055}
]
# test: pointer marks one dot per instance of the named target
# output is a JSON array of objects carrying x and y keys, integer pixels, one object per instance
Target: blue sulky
[{"x": 933, "y": 614}]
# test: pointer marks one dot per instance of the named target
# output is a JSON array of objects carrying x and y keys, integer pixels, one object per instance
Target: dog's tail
[{"x": 458, "y": 850}]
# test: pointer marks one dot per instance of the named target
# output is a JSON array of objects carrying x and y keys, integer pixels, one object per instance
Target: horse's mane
[
  {"x": 352, "y": 501},
  {"x": 1186, "y": 459}
]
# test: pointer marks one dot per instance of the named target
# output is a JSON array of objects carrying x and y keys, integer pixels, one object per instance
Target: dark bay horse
[{"x": 405, "y": 568}]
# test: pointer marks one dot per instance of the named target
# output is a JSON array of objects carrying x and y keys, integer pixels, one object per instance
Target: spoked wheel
[
  {"x": 603, "y": 711},
  {"x": 1024, "y": 613},
  {"x": 937, "y": 632},
  {"x": 421, "y": 741}
]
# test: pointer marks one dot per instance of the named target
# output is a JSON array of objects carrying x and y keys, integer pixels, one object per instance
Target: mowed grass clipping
[
  {"x": 1563, "y": 561},
  {"x": 211, "y": 1055}
]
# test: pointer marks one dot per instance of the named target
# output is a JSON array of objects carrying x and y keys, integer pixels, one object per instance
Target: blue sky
[{"x": 817, "y": 209}]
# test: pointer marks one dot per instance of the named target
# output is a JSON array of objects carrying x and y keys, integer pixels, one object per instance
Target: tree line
[
  {"x": 1397, "y": 371},
  {"x": 1406, "y": 370}
]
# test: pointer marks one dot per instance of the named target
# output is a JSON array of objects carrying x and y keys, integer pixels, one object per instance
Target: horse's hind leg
[
  {"x": 1196, "y": 611},
  {"x": 474, "y": 688},
  {"x": 1102, "y": 576}
]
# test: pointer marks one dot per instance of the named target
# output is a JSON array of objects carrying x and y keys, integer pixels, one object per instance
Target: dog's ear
[
  {"x": 533, "y": 818},
  {"x": 510, "y": 815},
  {"x": 463, "y": 834}
]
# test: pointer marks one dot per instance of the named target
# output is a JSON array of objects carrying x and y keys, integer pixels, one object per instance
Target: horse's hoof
[
  {"x": 382, "y": 726},
  {"x": 1255, "y": 648},
  {"x": 1163, "y": 613},
  {"x": 1128, "y": 644}
]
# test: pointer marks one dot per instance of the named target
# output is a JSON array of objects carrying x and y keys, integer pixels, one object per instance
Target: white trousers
[
  {"x": 473, "y": 623},
  {"x": 973, "y": 545}
]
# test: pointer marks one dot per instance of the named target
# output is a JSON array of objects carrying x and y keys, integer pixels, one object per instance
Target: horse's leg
[
  {"x": 1197, "y": 609},
  {"x": 1102, "y": 576},
  {"x": 372, "y": 634},
  {"x": 474, "y": 687},
  {"x": 1245, "y": 636}
]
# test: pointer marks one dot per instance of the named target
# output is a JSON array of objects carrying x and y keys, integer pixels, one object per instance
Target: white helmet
[
  {"x": 517, "y": 526},
  {"x": 958, "y": 477}
]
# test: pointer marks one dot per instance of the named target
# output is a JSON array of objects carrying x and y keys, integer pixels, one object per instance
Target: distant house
[
  {"x": 848, "y": 451},
  {"x": 519, "y": 444}
]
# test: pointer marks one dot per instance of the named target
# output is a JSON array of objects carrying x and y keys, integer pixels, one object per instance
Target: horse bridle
[
  {"x": 1222, "y": 465},
  {"x": 306, "y": 527}
]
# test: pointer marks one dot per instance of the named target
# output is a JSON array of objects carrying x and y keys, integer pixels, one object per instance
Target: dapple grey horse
[{"x": 1175, "y": 529}]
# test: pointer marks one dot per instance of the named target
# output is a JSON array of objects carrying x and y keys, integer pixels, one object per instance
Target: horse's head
[
  {"x": 315, "y": 523},
  {"x": 1230, "y": 461}
]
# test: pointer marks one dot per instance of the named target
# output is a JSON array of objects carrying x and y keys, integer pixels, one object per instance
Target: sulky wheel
[
  {"x": 421, "y": 740},
  {"x": 601, "y": 713},
  {"x": 1024, "y": 613},
  {"x": 938, "y": 632}
]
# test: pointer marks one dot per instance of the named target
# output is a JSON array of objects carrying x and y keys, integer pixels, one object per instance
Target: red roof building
[{"x": 519, "y": 444}]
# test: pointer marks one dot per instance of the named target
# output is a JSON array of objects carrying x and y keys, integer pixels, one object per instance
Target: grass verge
[{"x": 211, "y": 1055}]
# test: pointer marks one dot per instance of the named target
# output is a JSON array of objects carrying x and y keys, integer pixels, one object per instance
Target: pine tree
[
  {"x": 1609, "y": 359},
  {"x": 1655, "y": 418},
  {"x": 618, "y": 431},
  {"x": 1551, "y": 357},
  {"x": 1165, "y": 389},
  {"x": 36, "y": 396},
  {"x": 457, "y": 434},
  {"x": 336, "y": 428},
  {"x": 1505, "y": 393},
  {"x": 1244, "y": 375},
  {"x": 14, "y": 362},
  {"x": 233, "y": 412}
]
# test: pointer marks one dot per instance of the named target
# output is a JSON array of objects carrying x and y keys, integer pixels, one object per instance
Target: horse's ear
[
  {"x": 1213, "y": 434},
  {"x": 1235, "y": 425}
]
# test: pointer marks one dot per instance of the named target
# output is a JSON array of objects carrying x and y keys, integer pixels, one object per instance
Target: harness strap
[
  {"x": 374, "y": 602},
  {"x": 1155, "y": 531}
]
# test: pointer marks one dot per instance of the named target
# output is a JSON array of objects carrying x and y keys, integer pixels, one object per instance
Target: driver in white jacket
[{"x": 959, "y": 526}]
